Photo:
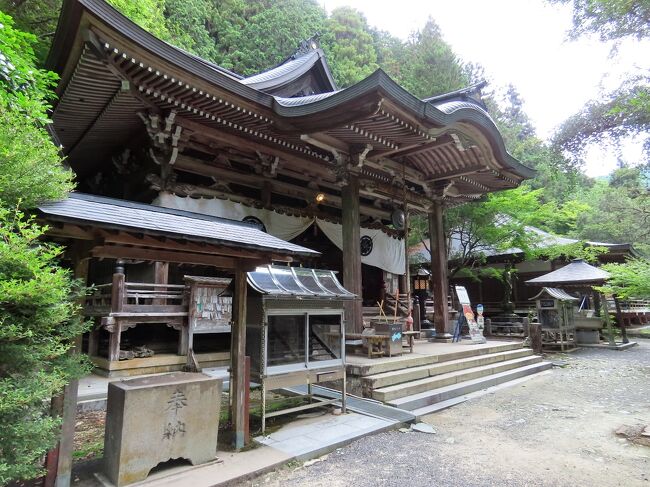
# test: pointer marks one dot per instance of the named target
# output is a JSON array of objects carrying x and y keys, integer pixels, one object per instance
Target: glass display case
[{"x": 295, "y": 331}]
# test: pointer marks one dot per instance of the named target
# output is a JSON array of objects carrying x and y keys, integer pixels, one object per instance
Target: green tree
[
  {"x": 430, "y": 65},
  {"x": 38, "y": 317},
  {"x": 625, "y": 111},
  {"x": 628, "y": 280},
  {"x": 617, "y": 115},
  {"x": 619, "y": 210},
  {"x": 40, "y": 17},
  {"x": 391, "y": 52},
  {"x": 610, "y": 19},
  {"x": 349, "y": 45}
]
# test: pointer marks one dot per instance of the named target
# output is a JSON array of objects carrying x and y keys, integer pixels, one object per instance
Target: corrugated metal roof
[
  {"x": 577, "y": 272},
  {"x": 555, "y": 293},
  {"x": 114, "y": 213},
  {"x": 281, "y": 281}
]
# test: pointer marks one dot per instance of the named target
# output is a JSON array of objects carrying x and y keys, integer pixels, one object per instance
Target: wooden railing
[
  {"x": 135, "y": 297},
  {"x": 630, "y": 306}
]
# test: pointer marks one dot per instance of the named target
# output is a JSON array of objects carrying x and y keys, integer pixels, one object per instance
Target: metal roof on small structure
[
  {"x": 149, "y": 219},
  {"x": 287, "y": 282},
  {"x": 578, "y": 272},
  {"x": 554, "y": 293}
]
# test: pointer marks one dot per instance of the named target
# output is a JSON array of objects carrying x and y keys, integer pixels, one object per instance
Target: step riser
[
  {"x": 488, "y": 381},
  {"x": 409, "y": 390},
  {"x": 407, "y": 361},
  {"x": 371, "y": 383}
]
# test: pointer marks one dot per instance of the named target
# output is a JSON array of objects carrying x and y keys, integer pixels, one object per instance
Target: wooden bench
[{"x": 377, "y": 344}]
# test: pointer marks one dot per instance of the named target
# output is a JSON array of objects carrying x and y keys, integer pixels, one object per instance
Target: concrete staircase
[{"x": 426, "y": 384}]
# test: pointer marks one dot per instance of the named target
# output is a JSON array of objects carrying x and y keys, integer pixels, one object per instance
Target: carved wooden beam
[
  {"x": 139, "y": 253},
  {"x": 257, "y": 181}
]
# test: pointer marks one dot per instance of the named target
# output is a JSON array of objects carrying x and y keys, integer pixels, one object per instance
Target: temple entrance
[
  {"x": 372, "y": 284},
  {"x": 372, "y": 278}
]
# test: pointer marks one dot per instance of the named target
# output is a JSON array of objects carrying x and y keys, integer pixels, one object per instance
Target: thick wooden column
[
  {"x": 439, "y": 270},
  {"x": 352, "y": 253},
  {"x": 407, "y": 272},
  {"x": 238, "y": 383}
]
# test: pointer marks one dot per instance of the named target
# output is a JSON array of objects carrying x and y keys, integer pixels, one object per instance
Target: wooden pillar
[
  {"x": 238, "y": 389},
  {"x": 69, "y": 412},
  {"x": 621, "y": 321},
  {"x": 117, "y": 303},
  {"x": 161, "y": 276},
  {"x": 93, "y": 340},
  {"x": 608, "y": 321},
  {"x": 352, "y": 254},
  {"x": 407, "y": 272},
  {"x": 439, "y": 271}
]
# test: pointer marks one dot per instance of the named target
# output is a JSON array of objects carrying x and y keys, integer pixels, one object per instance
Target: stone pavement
[
  {"x": 302, "y": 440},
  {"x": 309, "y": 438}
]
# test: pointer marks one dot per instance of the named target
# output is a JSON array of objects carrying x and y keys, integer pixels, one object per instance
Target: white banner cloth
[
  {"x": 384, "y": 252},
  {"x": 282, "y": 226}
]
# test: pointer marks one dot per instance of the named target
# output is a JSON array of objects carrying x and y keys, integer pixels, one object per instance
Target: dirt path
[{"x": 553, "y": 430}]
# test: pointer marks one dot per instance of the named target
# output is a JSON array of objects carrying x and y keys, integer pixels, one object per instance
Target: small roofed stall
[
  {"x": 296, "y": 331},
  {"x": 95, "y": 228},
  {"x": 578, "y": 276},
  {"x": 555, "y": 312}
]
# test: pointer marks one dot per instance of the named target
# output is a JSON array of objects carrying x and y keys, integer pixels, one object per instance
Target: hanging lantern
[{"x": 421, "y": 280}]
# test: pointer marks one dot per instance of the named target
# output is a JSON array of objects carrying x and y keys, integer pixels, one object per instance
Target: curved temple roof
[
  {"x": 112, "y": 72},
  {"x": 304, "y": 73},
  {"x": 576, "y": 273}
]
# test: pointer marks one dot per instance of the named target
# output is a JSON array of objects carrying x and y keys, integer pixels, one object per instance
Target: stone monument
[{"x": 150, "y": 420}]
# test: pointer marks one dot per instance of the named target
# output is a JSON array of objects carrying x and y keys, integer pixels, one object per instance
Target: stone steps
[
  {"x": 415, "y": 360},
  {"x": 397, "y": 391},
  {"x": 385, "y": 379},
  {"x": 466, "y": 396},
  {"x": 419, "y": 404}
]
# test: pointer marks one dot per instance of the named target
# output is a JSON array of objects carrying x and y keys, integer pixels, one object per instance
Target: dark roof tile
[{"x": 115, "y": 213}]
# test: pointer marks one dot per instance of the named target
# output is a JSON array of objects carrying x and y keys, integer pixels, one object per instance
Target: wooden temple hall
[{"x": 190, "y": 175}]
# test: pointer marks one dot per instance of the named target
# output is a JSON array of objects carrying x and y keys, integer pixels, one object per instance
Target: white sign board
[{"x": 475, "y": 332}]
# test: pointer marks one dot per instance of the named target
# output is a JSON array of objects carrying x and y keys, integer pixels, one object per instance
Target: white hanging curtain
[
  {"x": 277, "y": 224},
  {"x": 383, "y": 251}
]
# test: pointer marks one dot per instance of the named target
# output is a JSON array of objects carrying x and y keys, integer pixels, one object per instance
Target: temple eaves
[{"x": 112, "y": 72}]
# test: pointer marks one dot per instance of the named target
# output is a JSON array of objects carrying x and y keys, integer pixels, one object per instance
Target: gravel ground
[{"x": 557, "y": 429}]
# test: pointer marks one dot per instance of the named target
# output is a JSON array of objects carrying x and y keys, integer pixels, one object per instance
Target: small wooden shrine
[{"x": 555, "y": 312}]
